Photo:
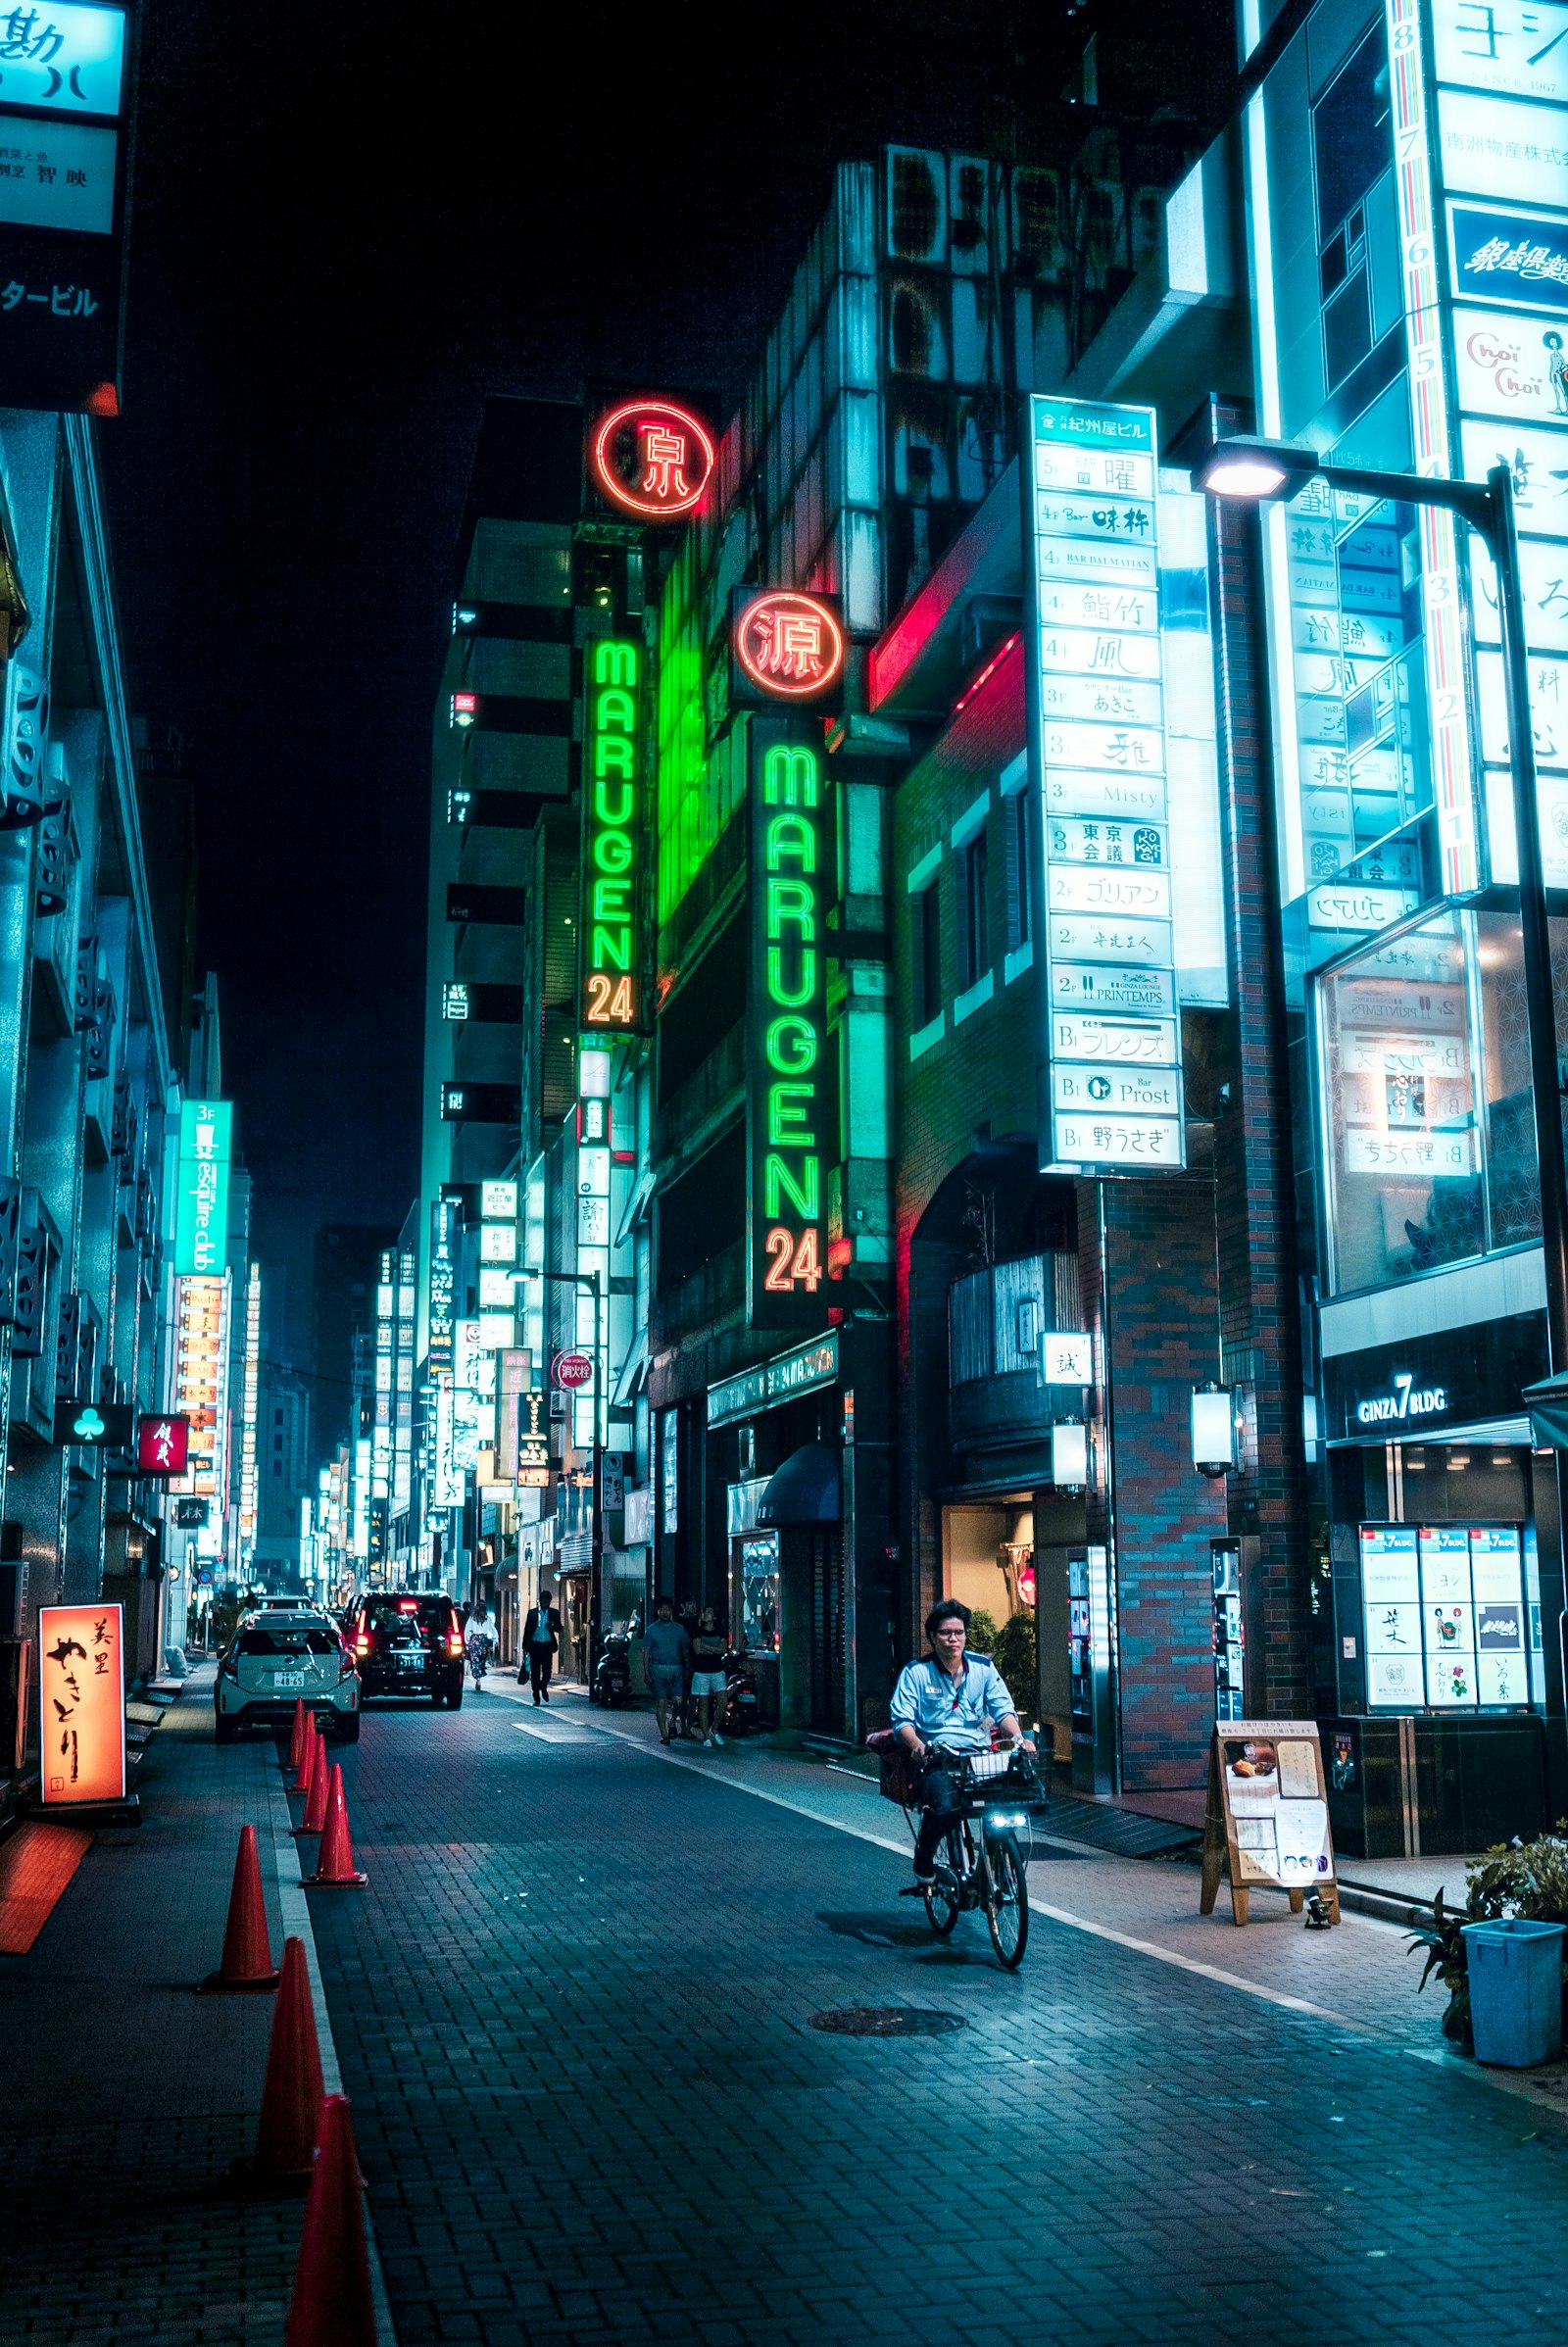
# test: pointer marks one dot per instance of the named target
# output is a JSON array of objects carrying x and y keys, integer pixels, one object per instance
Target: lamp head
[{"x": 1251, "y": 470}]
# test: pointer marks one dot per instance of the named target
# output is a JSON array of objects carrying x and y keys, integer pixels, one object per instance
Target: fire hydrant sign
[
  {"x": 1266, "y": 1821},
  {"x": 81, "y": 1704}
]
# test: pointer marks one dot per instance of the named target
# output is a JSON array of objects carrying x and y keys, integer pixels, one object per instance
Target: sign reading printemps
[
  {"x": 1406, "y": 1401},
  {"x": 1091, "y": 518},
  {"x": 652, "y": 458},
  {"x": 789, "y": 1101},
  {"x": 201, "y": 1214},
  {"x": 612, "y": 930}
]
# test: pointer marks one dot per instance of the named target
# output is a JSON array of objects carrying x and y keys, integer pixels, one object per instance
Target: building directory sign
[
  {"x": 1448, "y": 1617},
  {"x": 1098, "y": 737},
  {"x": 612, "y": 926},
  {"x": 201, "y": 1211},
  {"x": 788, "y": 1100}
]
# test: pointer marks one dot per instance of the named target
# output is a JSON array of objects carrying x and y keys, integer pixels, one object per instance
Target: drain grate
[{"x": 888, "y": 2021}]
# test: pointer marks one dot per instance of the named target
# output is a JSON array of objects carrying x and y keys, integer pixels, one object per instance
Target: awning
[
  {"x": 1548, "y": 1404},
  {"x": 804, "y": 1490}
]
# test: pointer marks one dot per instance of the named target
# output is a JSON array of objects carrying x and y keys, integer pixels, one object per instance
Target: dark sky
[{"x": 350, "y": 223}]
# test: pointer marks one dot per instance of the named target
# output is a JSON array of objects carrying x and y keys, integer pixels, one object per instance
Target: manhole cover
[{"x": 888, "y": 2021}]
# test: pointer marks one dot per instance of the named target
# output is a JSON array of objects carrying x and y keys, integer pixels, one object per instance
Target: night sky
[{"x": 350, "y": 223}]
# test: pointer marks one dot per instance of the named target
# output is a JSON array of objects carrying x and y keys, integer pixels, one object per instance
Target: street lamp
[
  {"x": 596, "y": 1545},
  {"x": 1255, "y": 471}
]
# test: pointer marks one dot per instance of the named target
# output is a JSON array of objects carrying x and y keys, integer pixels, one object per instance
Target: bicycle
[{"x": 1002, "y": 1790}]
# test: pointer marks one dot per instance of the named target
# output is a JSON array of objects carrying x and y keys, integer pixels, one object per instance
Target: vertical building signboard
[
  {"x": 446, "y": 1224},
  {"x": 789, "y": 1097},
  {"x": 1487, "y": 155},
  {"x": 1112, "y": 1043},
  {"x": 65, "y": 86},
  {"x": 201, "y": 1206},
  {"x": 81, "y": 1701},
  {"x": 614, "y": 984}
]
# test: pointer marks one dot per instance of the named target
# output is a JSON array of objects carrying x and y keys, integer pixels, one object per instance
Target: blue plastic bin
[{"x": 1515, "y": 1971}]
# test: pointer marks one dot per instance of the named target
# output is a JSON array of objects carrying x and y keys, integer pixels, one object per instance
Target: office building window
[{"x": 976, "y": 910}]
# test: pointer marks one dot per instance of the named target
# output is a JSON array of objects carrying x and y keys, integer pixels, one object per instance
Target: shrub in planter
[
  {"x": 1528, "y": 1880},
  {"x": 1015, "y": 1656},
  {"x": 983, "y": 1633}
]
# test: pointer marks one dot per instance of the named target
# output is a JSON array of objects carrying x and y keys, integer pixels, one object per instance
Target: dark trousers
[
  {"x": 541, "y": 1662},
  {"x": 937, "y": 1801}
]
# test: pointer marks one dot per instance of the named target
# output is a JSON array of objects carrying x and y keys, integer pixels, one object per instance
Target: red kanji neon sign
[
  {"x": 652, "y": 458},
  {"x": 789, "y": 644}
]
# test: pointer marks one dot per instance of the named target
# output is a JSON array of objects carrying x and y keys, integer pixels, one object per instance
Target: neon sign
[
  {"x": 652, "y": 458},
  {"x": 789, "y": 1101},
  {"x": 789, "y": 646},
  {"x": 613, "y": 989}
]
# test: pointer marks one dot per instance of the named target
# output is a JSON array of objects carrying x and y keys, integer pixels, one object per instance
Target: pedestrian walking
[
  {"x": 479, "y": 1643},
  {"x": 709, "y": 1686},
  {"x": 541, "y": 1635},
  {"x": 667, "y": 1660}
]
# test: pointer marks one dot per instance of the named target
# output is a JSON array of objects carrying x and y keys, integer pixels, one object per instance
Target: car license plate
[
  {"x": 288, "y": 1679},
  {"x": 410, "y": 1662}
]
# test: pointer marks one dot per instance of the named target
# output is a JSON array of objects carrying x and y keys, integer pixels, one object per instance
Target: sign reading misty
[
  {"x": 201, "y": 1214},
  {"x": 1113, "y": 1034}
]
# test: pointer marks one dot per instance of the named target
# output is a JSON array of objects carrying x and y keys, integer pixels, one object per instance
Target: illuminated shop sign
[
  {"x": 652, "y": 458},
  {"x": 81, "y": 1702},
  {"x": 1100, "y": 765},
  {"x": 1448, "y": 1619},
  {"x": 613, "y": 928},
  {"x": 1504, "y": 256},
  {"x": 787, "y": 646},
  {"x": 1405, "y": 1401},
  {"x": 446, "y": 1224},
  {"x": 201, "y": 1214},
  {"x": 789, "y": 1102}
]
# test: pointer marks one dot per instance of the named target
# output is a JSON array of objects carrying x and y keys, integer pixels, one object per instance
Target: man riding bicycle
[{"x": 947, "y": 1703}]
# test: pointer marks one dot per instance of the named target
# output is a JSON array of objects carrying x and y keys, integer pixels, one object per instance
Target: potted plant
[{"x": 1524, "y": 1878}]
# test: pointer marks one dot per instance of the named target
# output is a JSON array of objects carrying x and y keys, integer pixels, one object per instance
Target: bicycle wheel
[
  {"x": 1006, "y": 1901},
  {"x": 944, "y": 1901}
]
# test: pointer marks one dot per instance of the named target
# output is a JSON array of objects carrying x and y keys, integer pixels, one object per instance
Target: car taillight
[
  {"x": 454, "y": 1642},
  {"x": 228, "y": 1667},
  {"x": 361, "y": 1644}
]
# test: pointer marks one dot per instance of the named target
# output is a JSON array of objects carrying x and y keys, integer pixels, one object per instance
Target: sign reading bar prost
[
  {"x": 81, "y": 1704},
  {"x": 1097, "y": 751}
]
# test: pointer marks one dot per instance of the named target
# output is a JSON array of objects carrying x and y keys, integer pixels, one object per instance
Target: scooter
[
  {"x": 741, "y": 1714},
  {"x": 612, "y": 1680}
]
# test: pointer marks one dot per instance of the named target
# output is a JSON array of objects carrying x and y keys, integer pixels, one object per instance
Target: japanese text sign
[
  {"x": 787, "y": 647},
  {"x": 613, "y": 928},
  {"x": 81, "y": 1704},
  {"x": 1097, "y": 760},
  {"x": 162, "y": 1445},
  {"x": 201, "y": 1216},
  {"x": 652, "y": 458}
]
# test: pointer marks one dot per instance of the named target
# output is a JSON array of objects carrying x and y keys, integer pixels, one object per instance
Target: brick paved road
[{"x": 572, "y": 2011}]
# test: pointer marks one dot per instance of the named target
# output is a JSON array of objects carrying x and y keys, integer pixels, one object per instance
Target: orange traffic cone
[
  {"x": 305, "y": 1767},
  {"x": 297, "y": 1737},
  {"x": 291, "y": 2097},
  {"x": 331, "y": 2303},
  {"x": 334, "y": 1861},
  {"x": 247, "y": 1958},
  {"x": 315, "y": 1817}
]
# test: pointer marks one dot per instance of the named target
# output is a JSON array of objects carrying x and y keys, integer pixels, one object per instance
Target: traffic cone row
[
  {"x": 296, "y": 1739},
  {"x": 315, "y": 1817},
  {"x": 334, "y": 1860}
]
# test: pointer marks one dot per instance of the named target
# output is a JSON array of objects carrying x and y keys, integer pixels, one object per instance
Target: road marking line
[{"x": 295, "y": 1911}]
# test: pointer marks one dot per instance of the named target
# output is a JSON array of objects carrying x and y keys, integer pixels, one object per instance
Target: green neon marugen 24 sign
[
  {"x": 789, "y": 1095},
  {"x": 613, "y": 986}
]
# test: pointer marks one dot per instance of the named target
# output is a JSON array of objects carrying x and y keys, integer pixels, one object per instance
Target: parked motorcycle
[
  {"x": 741, "y": 1715},
  {"x": 611, "y": 1679}
]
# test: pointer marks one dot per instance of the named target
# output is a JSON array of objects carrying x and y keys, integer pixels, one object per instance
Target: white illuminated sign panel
[
  {"x": 1446, "y": 1618},
  {"x": 70, "y": 58},
  {"x": 1100, "y": 753},
  {"x": 1065, "y": 1360},
  {"x": 1514, "y": 48}
]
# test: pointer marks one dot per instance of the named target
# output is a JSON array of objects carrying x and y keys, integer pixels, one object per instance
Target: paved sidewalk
[{"x": 124, "y": 2095}]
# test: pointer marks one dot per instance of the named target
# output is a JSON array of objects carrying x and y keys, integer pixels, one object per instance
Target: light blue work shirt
[{"x": 955, "y": 1713}]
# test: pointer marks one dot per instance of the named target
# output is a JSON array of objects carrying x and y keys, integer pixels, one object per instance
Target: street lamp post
[
  {"x": 596, "y": 1542},
  {"x": 1253, "y": 471}
]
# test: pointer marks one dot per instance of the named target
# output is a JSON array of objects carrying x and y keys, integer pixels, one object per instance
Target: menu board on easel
[{"x": 1266, "y": 1818}]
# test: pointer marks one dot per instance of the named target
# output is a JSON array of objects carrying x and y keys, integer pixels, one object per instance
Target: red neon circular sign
[
  {"x": 652, "y": 456},
  {"x": 790, "y": 644},
  {"x": 569, "y": 1370}
]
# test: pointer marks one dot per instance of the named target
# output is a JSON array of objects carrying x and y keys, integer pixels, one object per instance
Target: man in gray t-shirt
[{"x": 667, "y": 1660}]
